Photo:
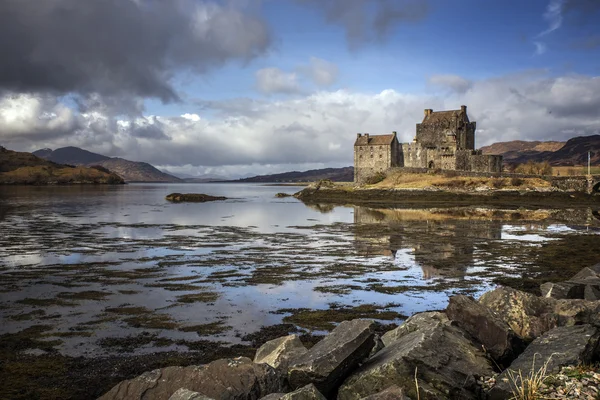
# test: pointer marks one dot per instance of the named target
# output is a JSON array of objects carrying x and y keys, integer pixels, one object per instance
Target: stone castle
[{"x": 444, "y": 140}]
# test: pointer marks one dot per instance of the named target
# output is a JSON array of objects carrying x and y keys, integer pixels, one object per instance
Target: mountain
[
  {"x": 21, "y": 168},
  {"x": 345, "y": 174},
  {"x": 572, "y": 152},
  {"x": 517, "y": 148},
  {"x": 70, "y": 155},
  {"x": 131, "y": 171}
]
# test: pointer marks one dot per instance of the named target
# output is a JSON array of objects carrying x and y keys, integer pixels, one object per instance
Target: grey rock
[
  {"x": 328, "y": 362},
  {"x": 446, "y": 362},
  {"x": 377, "y": 347},
  {"x": 528, "y": 316},
  {"x": 563, "y": 290},
  {"x": 184, "y": 394},
  {"x": 559, "y": 347},
  {"x": 308, "y": 392},
  {"x": 225, "y": 379},
  {"x": 278, "y": 352},
  {"x": 587, "y": 273},
  {"x": 392, "y": 393},
  {"x": 421, "y": 321},
  {"x": 498, "y": 339}
]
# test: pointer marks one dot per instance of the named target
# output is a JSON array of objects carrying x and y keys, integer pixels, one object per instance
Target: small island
[{"x": 193, "y": 197}]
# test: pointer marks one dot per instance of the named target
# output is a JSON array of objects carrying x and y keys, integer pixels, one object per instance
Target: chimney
[
  {"x": 463, "y": 109},
  {"x": 394, "y": 133},
  {"x": 428, "y": 111},
  {"x": 367, "y": 136},
  {"x": 358, "y": 135}
]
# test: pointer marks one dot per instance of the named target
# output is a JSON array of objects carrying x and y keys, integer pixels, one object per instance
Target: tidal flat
[{"x": 99, "y": 285}]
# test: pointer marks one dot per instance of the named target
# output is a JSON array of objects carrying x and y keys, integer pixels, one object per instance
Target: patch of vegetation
[
  {"x": 29, "y": 301},
  {"x": 204, "y": 297},
  {"x": 28, "y": 316},
  {"x": 534, "y": 168},
  {"x": 193, "y": 197},
  {"x": 375, "y": 178},
  {"x": 85, "y": 295},
  {"x": 327, "y": 319},
  {"x": 337, "y": 289},
  {"x": 176, "y": 286},
  {"x": 212, "y": 328}
]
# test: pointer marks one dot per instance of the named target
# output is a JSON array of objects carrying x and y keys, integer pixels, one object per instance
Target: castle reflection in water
[{"x": 441, "y": 244}]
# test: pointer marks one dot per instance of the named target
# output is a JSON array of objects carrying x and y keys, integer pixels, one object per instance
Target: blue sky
[{"x": 251, "y": 86}]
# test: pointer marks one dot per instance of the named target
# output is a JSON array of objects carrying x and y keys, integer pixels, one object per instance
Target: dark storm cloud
[
  {"x": 119, "y": 47},
  {"x": 154, "y": 130},
  {"x": 368, "y": 20}
]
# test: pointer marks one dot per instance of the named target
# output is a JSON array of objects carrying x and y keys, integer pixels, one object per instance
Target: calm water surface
[{"x": 94, "y": 263}]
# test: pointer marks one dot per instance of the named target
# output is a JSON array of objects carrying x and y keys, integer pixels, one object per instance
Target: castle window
[
  {"x": 371, "y": 155},
  {"x": 381, "y": 156}
]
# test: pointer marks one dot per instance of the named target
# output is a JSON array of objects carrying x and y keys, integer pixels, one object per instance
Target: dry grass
[
  {"x": 399, "y": 180},
  {"x": 528, "y": 387},
  {"x": 578, "y": 170},
  {"x": 45, "y": 174}
]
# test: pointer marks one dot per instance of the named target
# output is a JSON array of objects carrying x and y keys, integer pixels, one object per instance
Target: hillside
[
  {"x": 345, "y": 174},
  {"x": 131, "y": 171},
  {"x": 19, "y": 168},
  {"x": 517, "y": 149},
  {"x": 572, "y": 152}
]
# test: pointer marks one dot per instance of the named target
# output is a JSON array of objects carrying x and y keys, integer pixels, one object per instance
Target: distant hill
[
  {"x": 345, "y": 174},
  {"x": 20, "y": 168},
  {"x": 572, "y": 152},
  {"x": 517, "y": 148},
  {"x": 131, "y": 171}
]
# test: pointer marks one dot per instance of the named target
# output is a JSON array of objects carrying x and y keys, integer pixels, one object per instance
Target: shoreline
[{"x": 390, "y": 197}]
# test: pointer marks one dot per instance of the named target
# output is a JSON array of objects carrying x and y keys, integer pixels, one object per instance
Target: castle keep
[{"x": 444, "y": 140}]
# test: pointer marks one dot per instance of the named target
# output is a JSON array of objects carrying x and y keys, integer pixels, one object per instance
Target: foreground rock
[
  {"x": 530, "y": 316},
  {"x": 559, "y": 347},
  {"x": 278, "y": 352},
  {"x": 184, "y": 394},
  {"x": 422, "y": 321},
  {"x": 392, "y": 393},
  {"x": 498, "y": 339},
  {"x": 281, "y": 195},
  {"x": 333, "y": 358},
  {"x": 225, "y": 379},
  {"x": 584, "y": 285},
  {"x": 193, "y": 197},
  {"x": 446, "y": 362},
  {"x": 308, "y": 392}
]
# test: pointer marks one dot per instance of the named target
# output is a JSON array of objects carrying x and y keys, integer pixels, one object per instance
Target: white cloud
[
  {"x": 322, "y": 72},
  {"x": 554, "y": 16},
  {"x": 274, "y": 80},
  {"x": 244, "y": 136},
  {"x": 540, "y": 48},
  {"x": 453, "y": 82}
]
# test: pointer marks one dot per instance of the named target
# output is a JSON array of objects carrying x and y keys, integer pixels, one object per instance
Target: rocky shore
[
  {"x": 489, "y": 348},
  {"x": 331, "y": 193}
]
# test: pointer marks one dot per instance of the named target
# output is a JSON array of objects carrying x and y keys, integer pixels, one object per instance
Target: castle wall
[{"x": 369, "y": 160}]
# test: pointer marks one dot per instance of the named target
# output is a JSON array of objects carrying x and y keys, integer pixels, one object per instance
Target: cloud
[
  {"x": 321, "y": 72},
  {"x": 453, "y": 82},
  {"x": 274, "y": 80},
  {"x": 239, "y": 136},
  {"x": 120, "y": 47},
  {"x": 540, "y": 48},
  {"x": 365, "y": 21},
  {"x": 554, "y": 16}
]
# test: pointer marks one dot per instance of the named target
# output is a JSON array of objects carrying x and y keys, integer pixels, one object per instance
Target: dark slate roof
[
  {"x": 444, "y": 116},
  {"x": 374, "y": 140}
]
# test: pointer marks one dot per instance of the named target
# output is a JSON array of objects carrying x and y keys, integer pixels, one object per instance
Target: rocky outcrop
[
  {"x": 333, "y": 358},
  {"x": 496, "y": 336},
  {"x": 184, "y": 394},
  {"x": 392, "y": 393},
  {"x": 308, "y": 392},
  {"x": 192, "y": 197},
  {"x": 584, "y": 285},
  {"x": 278, "y": 352},
  {"x": 559, "y": 347},
  {"x": 423, "y": 321},
  {"x": 225, "y": 379},
  {"x": 435, "y": 356}
]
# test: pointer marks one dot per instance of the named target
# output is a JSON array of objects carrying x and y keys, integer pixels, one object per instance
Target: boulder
[
  {"x": 192, "y": 197},
  {"x": 392, "y": 393},
  {"x": 308, "y": 392},
  {"x": 563, "y": 290},
  {"x": 528, "y": 316},
  {"x": 559, "y": 347},
  {"x": 184, "y": 394},
  {"x": 278, "y": 352},
  {"x": 225, "y": 379},
  {"x": 329, "y": 361},
  {"x": 438, "y": 357},
  {"x": 497, "y": 338},
  {"x": 421, "y": 321}
]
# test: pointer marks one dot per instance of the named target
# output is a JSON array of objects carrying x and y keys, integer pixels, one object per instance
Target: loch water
[{"x": 91, "y": 263}]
